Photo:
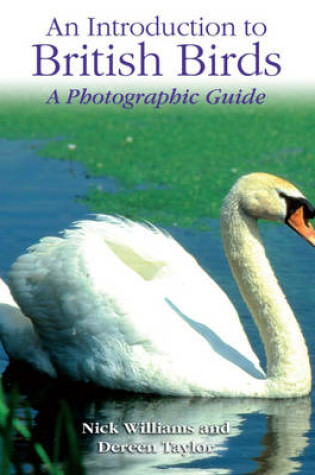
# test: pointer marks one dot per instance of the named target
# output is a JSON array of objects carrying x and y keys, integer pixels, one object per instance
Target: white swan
[{"x": 125, "y": 306}]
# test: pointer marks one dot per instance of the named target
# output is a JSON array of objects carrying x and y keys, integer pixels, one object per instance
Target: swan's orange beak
[{"x": 301, "y": 225}]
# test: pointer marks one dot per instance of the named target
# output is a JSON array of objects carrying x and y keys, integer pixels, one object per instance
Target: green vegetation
[
  {"x": 17, "y": 436},
  {"x": 187, "y": 157}
]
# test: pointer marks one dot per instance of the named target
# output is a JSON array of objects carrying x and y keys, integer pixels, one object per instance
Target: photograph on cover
[{"x": 157, "y": 196}]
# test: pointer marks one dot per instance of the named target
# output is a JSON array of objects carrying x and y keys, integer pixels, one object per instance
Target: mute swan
[{"x": 123, "y": 305}]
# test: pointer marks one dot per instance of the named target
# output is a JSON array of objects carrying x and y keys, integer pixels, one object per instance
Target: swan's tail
[{"x": 18, "y": 336}]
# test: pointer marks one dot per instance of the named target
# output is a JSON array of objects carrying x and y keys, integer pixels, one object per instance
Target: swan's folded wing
[
  {"x": 104, "y": 300},
  {"x": 89, "y": 296}
]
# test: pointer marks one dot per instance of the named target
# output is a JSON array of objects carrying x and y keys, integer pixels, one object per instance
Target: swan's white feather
[
  {"x": 122, "y": 304},
  {"x": 19, "y": 337}
]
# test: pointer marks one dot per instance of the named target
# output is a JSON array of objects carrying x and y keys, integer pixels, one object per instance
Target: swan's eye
[{"x": 294, "y": 203}]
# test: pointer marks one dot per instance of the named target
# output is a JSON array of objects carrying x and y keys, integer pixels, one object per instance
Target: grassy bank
[{"x": 173, "y": 165}]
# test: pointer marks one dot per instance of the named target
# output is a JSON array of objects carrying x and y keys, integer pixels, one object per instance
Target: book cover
[{"x": 155, "y": 334}]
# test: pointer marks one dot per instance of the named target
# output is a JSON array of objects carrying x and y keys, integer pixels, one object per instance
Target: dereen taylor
[
  {"x": 157, "y": 99},
  {"x": 191, "y": 447}
]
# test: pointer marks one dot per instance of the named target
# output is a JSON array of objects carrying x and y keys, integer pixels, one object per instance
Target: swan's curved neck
[{"x": 288, "y": 367}]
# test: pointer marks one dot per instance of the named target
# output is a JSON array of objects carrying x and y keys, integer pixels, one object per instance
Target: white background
[{"x": 290, "y": 32}]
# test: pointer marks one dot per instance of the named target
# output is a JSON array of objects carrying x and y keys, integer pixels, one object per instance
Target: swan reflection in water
[
  {"x": 250, "y": 446},
  {"x": 284, "y": 439}
]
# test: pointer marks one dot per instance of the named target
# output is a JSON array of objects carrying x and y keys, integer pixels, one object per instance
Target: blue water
[{"x": 37, "y": 198}]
